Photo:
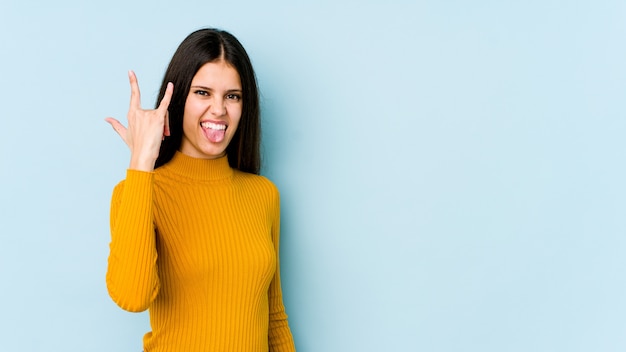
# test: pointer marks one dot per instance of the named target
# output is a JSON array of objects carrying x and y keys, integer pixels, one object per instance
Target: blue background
[{"x": 452, "y": 172}]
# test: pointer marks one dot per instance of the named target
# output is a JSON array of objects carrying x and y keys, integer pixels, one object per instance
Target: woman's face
[{"x": 212, "y": 111}]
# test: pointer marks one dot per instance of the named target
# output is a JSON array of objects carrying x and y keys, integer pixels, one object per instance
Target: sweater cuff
[{"x": 138, "y": 181}]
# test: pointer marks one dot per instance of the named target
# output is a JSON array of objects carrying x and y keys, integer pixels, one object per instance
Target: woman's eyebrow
[{"x": 233, "y": 90}]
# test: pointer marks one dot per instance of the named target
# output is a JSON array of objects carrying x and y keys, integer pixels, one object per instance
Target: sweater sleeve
[
  {"x": 280, "y": 337},
  {"x": 131, "y": 278}
]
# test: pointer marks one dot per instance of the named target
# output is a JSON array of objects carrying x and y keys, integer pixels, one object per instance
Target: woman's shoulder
[{"x": 254, "y": 180}]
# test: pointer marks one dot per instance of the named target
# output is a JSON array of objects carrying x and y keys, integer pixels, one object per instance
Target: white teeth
[{"x": 213, "y": 126}]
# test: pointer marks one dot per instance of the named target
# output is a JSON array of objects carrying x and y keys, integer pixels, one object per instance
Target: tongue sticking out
[{"x": 215, "y": 136}]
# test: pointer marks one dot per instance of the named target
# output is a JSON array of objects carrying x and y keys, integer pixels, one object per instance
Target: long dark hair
[{"x": 201, "y": 47}]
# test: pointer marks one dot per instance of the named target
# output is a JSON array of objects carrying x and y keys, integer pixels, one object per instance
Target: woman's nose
[{"x": 218, "y": 107}]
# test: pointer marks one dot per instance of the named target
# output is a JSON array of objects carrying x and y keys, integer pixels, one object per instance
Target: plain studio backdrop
[{"x": 451, "y": 172}]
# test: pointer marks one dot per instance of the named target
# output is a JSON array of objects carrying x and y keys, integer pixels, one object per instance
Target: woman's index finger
[{"x": 135, "y": 95}]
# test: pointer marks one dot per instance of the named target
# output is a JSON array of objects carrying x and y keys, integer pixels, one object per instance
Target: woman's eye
[
  {"x": 202, "y": 92},
  {"x": 235, "y": 97}
]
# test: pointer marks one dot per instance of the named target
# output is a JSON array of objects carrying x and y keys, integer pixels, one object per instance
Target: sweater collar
[{"x": 199, "y": 169}]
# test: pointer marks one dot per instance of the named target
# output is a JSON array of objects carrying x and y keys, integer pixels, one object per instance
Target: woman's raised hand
[{"x": 146, "y": 128}]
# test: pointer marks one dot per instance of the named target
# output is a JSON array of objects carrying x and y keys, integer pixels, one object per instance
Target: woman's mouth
[{"x": 214, "y": 131}]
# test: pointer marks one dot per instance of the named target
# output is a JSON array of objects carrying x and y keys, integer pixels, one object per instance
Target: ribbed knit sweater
[{"x": 196, "y": 243}]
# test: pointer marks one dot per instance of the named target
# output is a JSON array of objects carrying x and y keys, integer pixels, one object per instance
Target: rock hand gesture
[{"x": 146, "y": 128}]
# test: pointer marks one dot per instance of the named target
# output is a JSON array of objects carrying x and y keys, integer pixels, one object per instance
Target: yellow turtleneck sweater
[{"x": 196, "y": 243}]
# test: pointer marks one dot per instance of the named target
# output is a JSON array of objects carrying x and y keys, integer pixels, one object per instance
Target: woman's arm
[
  {"x": 280, "y": 337},
  {"x": 132, "y": 278}
]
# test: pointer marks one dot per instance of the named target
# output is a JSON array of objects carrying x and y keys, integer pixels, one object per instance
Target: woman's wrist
[{"x": 142, "y": 163}]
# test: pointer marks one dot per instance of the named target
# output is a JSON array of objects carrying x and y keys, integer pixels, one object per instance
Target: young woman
[{"x": 194, "y": 228}]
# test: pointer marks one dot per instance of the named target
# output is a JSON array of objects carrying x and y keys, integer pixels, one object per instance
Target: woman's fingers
[
  {"x": 165, "y": 102},
  {"x": 118, "y": 127},
  {"x": 135, "y": 96},
  {"x": 167, "y": 97},
  {"x": 146, "y": 128},
  {"x": 166, "y": 129}
]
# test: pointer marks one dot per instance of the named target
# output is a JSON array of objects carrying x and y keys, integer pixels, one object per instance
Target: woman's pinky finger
[{"x": 167, "y": 97}]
